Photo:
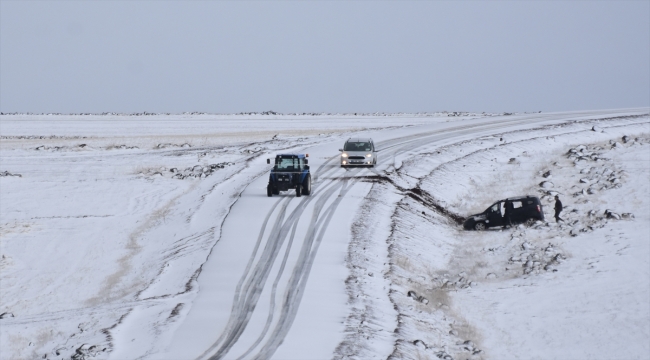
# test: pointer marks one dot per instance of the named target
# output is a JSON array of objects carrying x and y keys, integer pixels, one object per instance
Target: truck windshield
[
  {"x": 357, "y": 146},
  {"x": 287, "y": 163}
]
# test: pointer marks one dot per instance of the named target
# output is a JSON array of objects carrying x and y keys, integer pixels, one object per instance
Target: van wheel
[
  {"x": 530, "y": 222},
  {"x": 306, "y": 186},
  {"x": 479, "y": 226},
  {"x": 298, "y": 190}
]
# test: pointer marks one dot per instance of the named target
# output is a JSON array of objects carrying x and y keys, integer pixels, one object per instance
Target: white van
[{"x": 358, "y": 152}]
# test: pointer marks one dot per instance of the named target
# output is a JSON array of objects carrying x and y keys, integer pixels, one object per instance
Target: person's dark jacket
[
  {"x": 507, "y": 212},
  {"x": 558, "y": 206}
]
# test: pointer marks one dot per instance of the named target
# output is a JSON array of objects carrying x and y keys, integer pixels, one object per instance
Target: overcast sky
[{"x": 323, "y": 56}]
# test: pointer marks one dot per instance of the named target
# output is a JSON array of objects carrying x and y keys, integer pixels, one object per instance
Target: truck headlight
[
  {"x": 369, "y": 155},
  {"x": 344, "y": 155}
]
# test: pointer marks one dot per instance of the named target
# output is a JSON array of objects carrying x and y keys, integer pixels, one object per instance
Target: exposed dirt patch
[{"x": 418, "y": 195}]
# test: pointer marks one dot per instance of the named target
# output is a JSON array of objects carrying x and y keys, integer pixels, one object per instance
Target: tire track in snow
[
  {"x": 300, "y": 275},
  {"x": 236, "y": 310},
  {"x": 269, "y": 318},
  {"x": 293, "y": 224},
  {"x": 253, "y": 283}
]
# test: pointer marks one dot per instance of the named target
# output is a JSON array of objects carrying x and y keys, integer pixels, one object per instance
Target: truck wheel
[
  {"x": 530, "y": 222},
  {"x": 306, "y": 186},
  {"x": 276, "y": 191},
  {"x": 479, "y": 226},
  {"x": 269, "y": 191},
  {"x": 298, "y": 190}
]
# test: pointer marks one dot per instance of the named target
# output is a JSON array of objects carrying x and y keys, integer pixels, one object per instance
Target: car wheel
[
  {"x": 480, "y": 226},
  {"x": 269, "y": 191},
  {"x": 530, "y": 222},
  {"x": 298, "y": 190},
  {"x": 306, "y": 187}
]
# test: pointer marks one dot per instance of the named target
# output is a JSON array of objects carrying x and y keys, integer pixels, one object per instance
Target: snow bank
[{"x": 578, "y": 289}]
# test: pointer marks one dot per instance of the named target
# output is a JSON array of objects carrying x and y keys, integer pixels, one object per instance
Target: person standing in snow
[
  {"x": 507, "y": 221},
  {"x": 558, "y": 208}
]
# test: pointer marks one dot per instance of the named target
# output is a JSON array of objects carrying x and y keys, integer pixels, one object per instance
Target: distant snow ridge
[
  {"x": 34, "y": 137},
  {"x": 192, "y": 172},
  {"x": 271, "y": 113},
  {"x": 167, "y": 145},
  {"x": 7, "y": 173},
  {"x": 144, "y": 113},
  {"x": 80, "y": 147}
]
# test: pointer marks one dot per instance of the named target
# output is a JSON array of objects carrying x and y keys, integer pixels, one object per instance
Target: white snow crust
[{"x": 151, "y": 237}]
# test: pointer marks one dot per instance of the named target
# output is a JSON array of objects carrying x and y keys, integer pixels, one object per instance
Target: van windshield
[{"x": 357, "y": 146}]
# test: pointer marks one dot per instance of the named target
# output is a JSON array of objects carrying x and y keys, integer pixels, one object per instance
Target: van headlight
[
  {"x": 344, "y": 155},
  {"x": 369, "y": 155}
]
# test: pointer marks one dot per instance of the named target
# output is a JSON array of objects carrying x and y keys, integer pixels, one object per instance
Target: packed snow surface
[{"x": 152, "y": 237}]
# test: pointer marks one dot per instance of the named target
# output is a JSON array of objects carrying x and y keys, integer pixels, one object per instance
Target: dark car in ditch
[
  {"x": 290, "y": 172},
  {"x": 522, "y": 209}
]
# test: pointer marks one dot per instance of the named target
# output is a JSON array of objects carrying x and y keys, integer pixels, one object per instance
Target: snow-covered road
[{"x": 205, "y": 265}]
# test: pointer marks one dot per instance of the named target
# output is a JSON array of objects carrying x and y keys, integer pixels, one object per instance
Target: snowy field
[{"x": 151, "y": 237}]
